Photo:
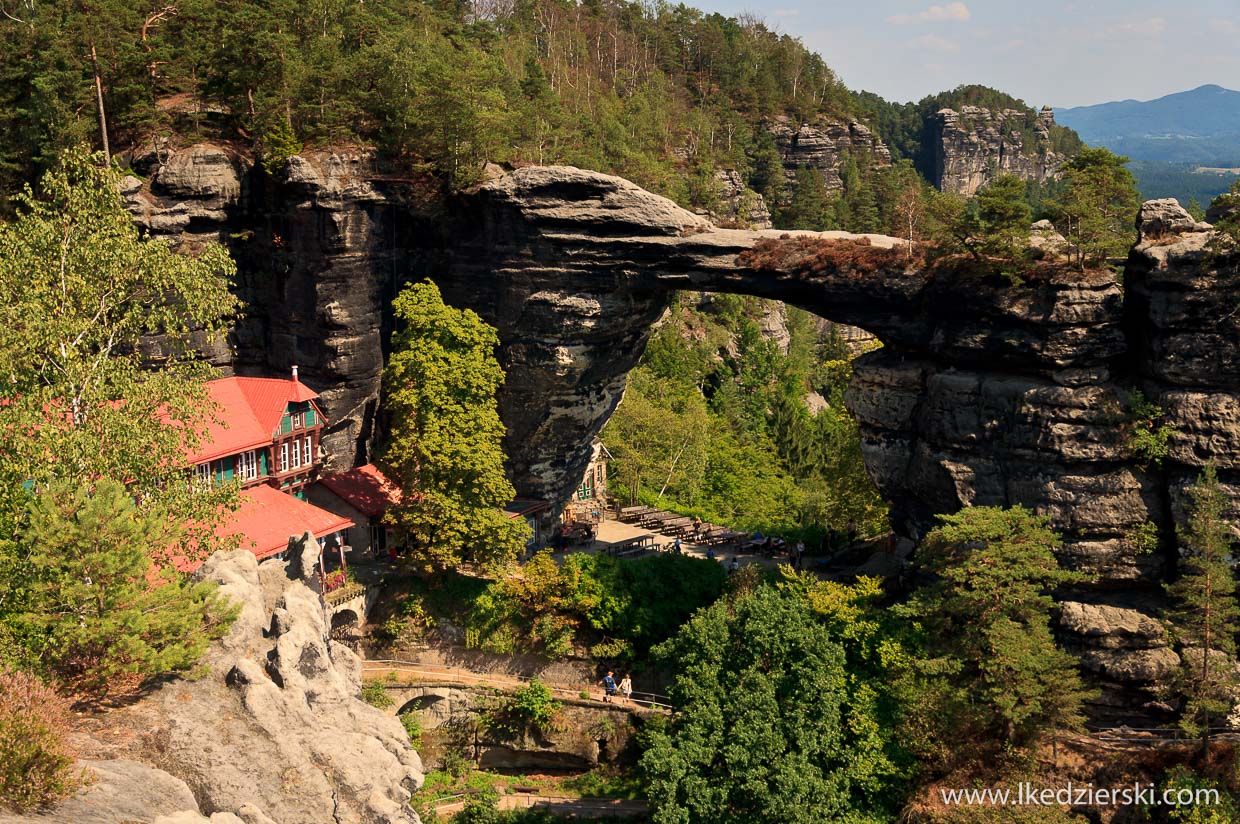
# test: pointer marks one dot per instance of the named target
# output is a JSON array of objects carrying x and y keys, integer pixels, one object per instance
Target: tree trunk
[{"x": 103, "y": 118}]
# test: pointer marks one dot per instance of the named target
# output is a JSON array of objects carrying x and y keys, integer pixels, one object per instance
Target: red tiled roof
[
  {"x": 365, "y": 488},
  {"x": 250, "y": 410},
  {"x": 268, "y": 517}
]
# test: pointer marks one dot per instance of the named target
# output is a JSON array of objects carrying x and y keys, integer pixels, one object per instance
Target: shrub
[
  {"x": 376, "y": 695},
  {"x": 36, "y": 766},
  {"x": 530, "y": 707},
  {"x": 413, "y": 728}
]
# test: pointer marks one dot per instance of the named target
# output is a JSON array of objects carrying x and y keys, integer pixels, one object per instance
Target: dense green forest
[
  {"x": 646, "y": 91},
  {"x": 716, "y": 422}
]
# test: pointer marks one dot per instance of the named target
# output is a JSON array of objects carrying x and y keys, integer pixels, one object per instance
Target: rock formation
[
  {"x": 973, "y": 146},
  {"x": 738, "y": 205},
  {"x": 984, "y": 392},
  {"x": 823, "y": 145},
  {"x": 273, "y": 733}
]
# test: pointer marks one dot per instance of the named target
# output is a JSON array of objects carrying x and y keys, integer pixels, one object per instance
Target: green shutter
[
  {"x": 310, "y": 417},
  {"x": 286, "y": 425},
  {"x": 262, "y": 462},
  {"x": 226, "y": 470}
]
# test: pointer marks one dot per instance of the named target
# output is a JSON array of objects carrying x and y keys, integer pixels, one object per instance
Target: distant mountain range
[
  {"x": 1185, "y": 145},
  {"x": 1199, "y": 126}
]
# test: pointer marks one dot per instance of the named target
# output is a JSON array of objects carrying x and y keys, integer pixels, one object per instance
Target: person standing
[
  {"x": 609, "y": 686},
  {"x": 626, "y": 687},
  {"x": 697, "y": 528},
  {"x": 676, "y": 546}
]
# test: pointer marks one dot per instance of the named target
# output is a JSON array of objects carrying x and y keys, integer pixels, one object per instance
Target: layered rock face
[
  {"x": 984, "y": 393},
  {"x": 823, "y": 145},
  {"x": 318, "y": 252},
  {"x": 274, "y": 732},
  {"x": 973, "y": 146}
]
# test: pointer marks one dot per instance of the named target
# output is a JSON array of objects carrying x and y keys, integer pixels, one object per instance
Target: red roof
[
  {"x": 250, "y": 410},
  {"x": 365, "y": 489},
  {"x": 268, "y": 517}
]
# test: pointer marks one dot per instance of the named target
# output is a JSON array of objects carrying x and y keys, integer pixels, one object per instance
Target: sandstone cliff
[
  {"x": 823, "y": 145},
  {"x": 984, "y": 393},
  {"x": 973, "y": 146},
  {"x": 273, "y": 733}
]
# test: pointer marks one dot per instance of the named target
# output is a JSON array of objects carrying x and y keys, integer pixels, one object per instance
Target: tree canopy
[{"x": 445, "y": 450}]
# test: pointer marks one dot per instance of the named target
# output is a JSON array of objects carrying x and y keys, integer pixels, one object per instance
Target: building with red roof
[
  {"x": 268, "y": 518},
  {"x": 268, "y": 432},
  {"x": 362, "y": 495}
]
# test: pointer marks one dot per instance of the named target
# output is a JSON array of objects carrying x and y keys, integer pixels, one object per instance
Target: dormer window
[{"x": 297, "y": 420}]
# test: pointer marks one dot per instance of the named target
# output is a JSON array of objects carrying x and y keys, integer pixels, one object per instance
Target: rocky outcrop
[
  {"x": 275, "y": 728},
  {"x": 974, "y": 145},
  {"x": 824, "y": 144},
  {"x": 737, "y": 205}
]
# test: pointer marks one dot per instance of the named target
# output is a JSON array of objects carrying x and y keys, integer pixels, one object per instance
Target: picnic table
[
  {"x": 676, "y": 526},
  {"x": 634, "y": 513},
  {"x": 632, "y": 547},
  {"x": 657, "y": 517}
]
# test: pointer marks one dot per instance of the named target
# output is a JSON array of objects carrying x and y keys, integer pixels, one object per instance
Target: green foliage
[
  {"x": 36, "y": 765},
  {"x": 1097, "y": 209},
  {"x": 1147, "y": 438},
  {"x": 1226, "y": 212},
  {"x": 413, "y": 727},
  {"x": 987, "y": 624},
  {"x": 714, "y": 423},
  {"x": 438, "y": 86},
  {"x": 277, "y": 145},
  {"x": 95, "y": 606},
  {"x": 376, "y": 695},
  {"x": 1206, "y": 618},
  {"x": 445, "y": 446},
  {"x": 542, "y": 606},
  {"x": 530, "y": 707},
  {"x": 1225, "y": 808},
  {"x": 767, "y": 727}
]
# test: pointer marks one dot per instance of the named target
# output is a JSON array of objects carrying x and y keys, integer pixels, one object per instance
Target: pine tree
[
  {"x": 809, "y": 204},
  {"x": 1207, "y": 617},
  {"x": 445, "y": 449},
  {"x": 97, "y": 609},
  {"x": 1098, "y": 207},
  {"x": 988, "y": 620},
  {"x": 1002, "y": 218}
]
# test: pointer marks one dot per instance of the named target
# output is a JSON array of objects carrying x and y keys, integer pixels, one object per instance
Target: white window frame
[
  {"x": 308, "y": 450},
  {"x": 297, "y": 419},
  {"x": 284, "y": 457},
  {"x": 204, "y": 478},
  {"x": 247, "y": 465},
  {"x": 296, "y": 453}
]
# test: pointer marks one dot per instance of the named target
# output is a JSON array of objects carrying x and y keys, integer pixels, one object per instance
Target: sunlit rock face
[
  {"x": 984, "y": 392},
  {"x": 972, "y": 146}
]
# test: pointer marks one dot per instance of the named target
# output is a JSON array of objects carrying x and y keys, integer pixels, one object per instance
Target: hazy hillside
[
  {"x": 1201, "y": 126},
  {"x": 1169, "y": 139}
]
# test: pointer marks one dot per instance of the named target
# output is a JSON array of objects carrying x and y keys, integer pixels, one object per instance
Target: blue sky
[{"x": 1057, "y": 52}]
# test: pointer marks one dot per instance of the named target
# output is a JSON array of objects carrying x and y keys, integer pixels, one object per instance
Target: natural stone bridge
[{"x": 984, "y": 392}]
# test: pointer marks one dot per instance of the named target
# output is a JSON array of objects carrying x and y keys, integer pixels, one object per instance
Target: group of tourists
[{"x": 610, "y": 687}]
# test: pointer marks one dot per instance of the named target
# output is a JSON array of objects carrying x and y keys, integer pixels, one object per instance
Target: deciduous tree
[{"x": 446, "y": 449}]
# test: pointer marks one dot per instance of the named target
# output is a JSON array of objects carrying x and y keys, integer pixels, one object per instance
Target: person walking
[
  {"x": 609, "y": 686},
  {"x": 676, "y": 546},
  {"x": 626, "y": 687}
]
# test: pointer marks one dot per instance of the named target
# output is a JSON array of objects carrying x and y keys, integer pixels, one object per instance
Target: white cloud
[
  {"x": 932, "y": 42},
  {"x": 1149, "y": 27},
  {"x": 1224, "y": 26},
  {"x": 949, "y": 12}
]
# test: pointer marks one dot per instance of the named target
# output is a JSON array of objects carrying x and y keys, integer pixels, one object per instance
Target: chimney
[{"x": 294, "y": 373}]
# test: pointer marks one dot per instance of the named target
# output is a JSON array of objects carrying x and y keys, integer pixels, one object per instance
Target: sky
[{"x": 1051, "y": 52}]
